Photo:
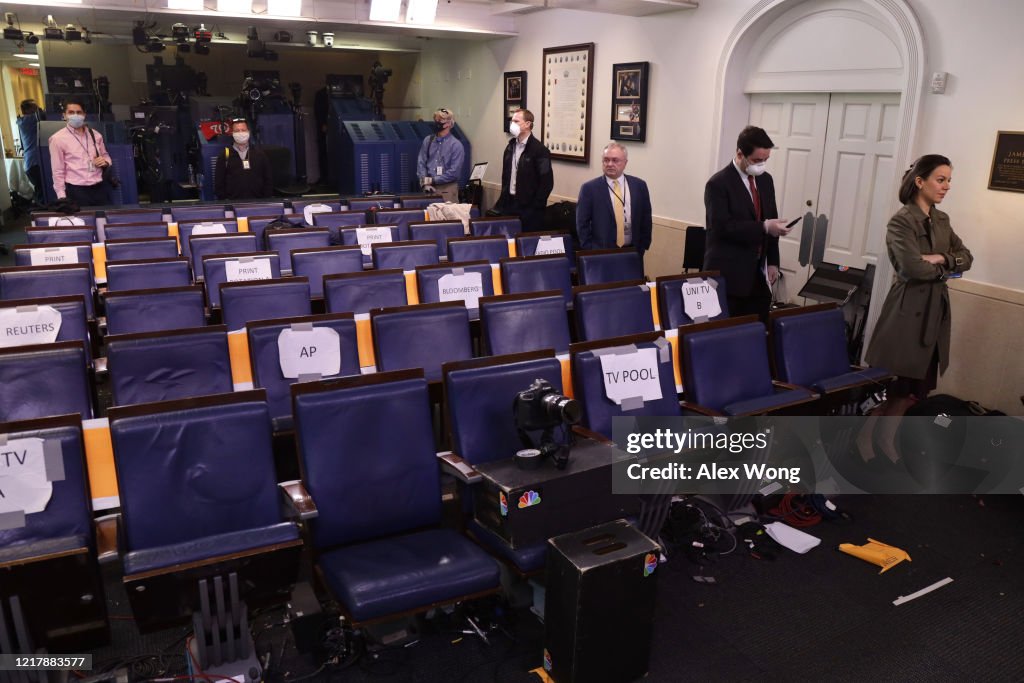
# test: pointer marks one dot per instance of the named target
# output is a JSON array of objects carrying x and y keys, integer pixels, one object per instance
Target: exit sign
[{"x": 28, "y": 71}]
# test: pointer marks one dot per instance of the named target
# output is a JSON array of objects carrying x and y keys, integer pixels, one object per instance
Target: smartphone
[{"x": 794, "y": 221}]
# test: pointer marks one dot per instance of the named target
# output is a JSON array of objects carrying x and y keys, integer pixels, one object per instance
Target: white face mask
[
  {"x": 241, "y": 137},
  {"x": 76, "y": 120},
  {"x": 514, "y": 129},
  {"x": 756, "y": 169}
]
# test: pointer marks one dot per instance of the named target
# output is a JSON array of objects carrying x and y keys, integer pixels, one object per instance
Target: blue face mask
[{"x": 76, "y": 120}]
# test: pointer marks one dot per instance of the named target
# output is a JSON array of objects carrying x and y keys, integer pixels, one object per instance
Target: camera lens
[{"x": 562, "y": 408}]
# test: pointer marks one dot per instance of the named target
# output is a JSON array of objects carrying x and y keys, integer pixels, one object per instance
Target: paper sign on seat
[{"x": 316, "y": 351}]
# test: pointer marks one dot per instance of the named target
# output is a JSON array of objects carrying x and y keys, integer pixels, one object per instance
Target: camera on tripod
[{"x": 540, "y": 408}]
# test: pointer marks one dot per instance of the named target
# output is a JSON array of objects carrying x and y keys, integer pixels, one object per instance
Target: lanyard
[
  {"x": 624, "y": 200},
  {"x": 84, "y": 145}
]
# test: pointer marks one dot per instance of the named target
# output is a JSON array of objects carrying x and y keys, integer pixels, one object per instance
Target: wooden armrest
[
  {"x": 593, "y": 436},
  {"x": 457, "y": 467},
  {"x": 786, "y": 385},
  {"x": 298, "y": 500},
  {"x": 107, "y": 546},
  {"x": 699, "y": 409}
]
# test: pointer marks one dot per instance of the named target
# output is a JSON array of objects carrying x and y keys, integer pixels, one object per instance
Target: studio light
[
  {"x": 51, "y": 31},
  {"x": 421, "y": 12},
  {"x": 385, "y": 10},
  {"x": 10, "y": 32},
  {"x": 203, "y": 34},
  {"x": 72, "y": 33},
  {"x": 179, "y": 32}
]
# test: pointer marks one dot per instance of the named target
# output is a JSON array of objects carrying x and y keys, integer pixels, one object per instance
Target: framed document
[
  {"x": 565, "y": 114},
  {"x": 1008, "y": 162},
  {"x": 630, "y": 83},
  {"x": 515, "y": 95}
]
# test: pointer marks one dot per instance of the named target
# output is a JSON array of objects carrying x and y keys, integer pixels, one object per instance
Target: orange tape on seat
[
  {"x": 238, "y": 349},
  {"x": 364, "y": 338},
  {"x": 99, "y": 457}
]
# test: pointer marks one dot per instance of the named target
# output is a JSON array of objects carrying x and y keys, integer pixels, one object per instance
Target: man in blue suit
[{"x": 615, "y": 209}]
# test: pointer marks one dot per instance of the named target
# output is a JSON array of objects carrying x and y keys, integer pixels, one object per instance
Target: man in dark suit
[
  {"x": 614, "y": 210},
  {"x": 526, "y": 177},
  {"x": 743, "y": 227},
  {"x": 244, "y": 171}
]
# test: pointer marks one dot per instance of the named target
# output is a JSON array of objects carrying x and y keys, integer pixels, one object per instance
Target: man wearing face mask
[
  {"x": 243, "y": 172},
  {"x": 743, "y": 227},
  {"x": 77, "y": 159},
  {"x": 441, "y": 158},
  {"x": 526, "y": 177}
]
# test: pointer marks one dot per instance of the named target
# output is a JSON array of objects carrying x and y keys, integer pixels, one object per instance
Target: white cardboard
[
  {"x": 700, "y": 300},
  {"x": 367, "y": 236},
  {"x": 309, "y": 211},
  {"x": 631, "y": 375},
  {"x": 52, "y": 256},
  {"x": 40, "y": 326},
  {"x": 65, "y": 220},
  {"x": 23, "y": 483},
  {"x": 554, "y": 245},
  {"x": 468, "y": 287},
  {"x": 309, "y": 352},
  {"x": 257, "y": 269},
  {"x": 209, "y": 229}
]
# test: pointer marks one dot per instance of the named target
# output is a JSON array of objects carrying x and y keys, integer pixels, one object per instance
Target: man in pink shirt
[{"x": 78, "y": 157}]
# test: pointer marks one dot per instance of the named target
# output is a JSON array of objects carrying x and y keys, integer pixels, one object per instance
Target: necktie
[
  {"x": 620, "y": 214},
  {"x": 755, "y": 196}
]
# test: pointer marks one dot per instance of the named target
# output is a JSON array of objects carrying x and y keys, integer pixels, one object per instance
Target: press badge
[
  {"x": 439, "y": 171},
  {"x": 245, "y": 164}
]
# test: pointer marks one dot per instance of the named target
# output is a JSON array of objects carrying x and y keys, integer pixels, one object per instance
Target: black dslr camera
[{"x": 540, "y": 408}]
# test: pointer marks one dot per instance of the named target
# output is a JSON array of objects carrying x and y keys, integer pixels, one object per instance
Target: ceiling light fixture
[
  {"x": 284, "y": 8},
  {"x": 421, "y": 12},
  {"x": 385, "y": 10}
]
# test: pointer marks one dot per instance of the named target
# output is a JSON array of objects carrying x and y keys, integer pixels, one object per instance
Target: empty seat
[
  {"x": 505, "y": 226},
  {"x": 359, "y": 293},
  {"x": 148, "y": 274},
  {"x": 601, "y": 266},
  {"x": 120, "y": 216},
  {"x": 208, "y": 245},
  {"x": 404, "y": 255},
  {"x": 516, "y": 323},
  {"x": 615, "y": 310},
  {"x": 42, "y": 380},
  {"x": 141, "y": 248},
  {"x": 419, "y": 201},
  {"x": 28, "y": 282},
  {"x": 221, "y": 268},
  {"x": 492, "y": 249},
  {"x": 336, "y": 221},
  {"x": 199, "y": 502},
  {"x": 439, "y": 231},
  {"x": 288, "y": 350},
  {"x": 309, "y": 208},
  {"x": 314, "y": 264},
  {"x": 725, "y": 369},
  {"x": 52, "y": 594},
  {"x": 423, "y": 336},
  {"x": 604, "y": 390},
  {"x": 398, "y": 217},
  {"x": 154, "y": 310},
  {"x": 205, "y": 212},
  {"x": 703, "y": 293},
  {"x": 60, "y": 234},
  {"x": 168, "y": 365},
  {"x": 22, "y": 323},
  {"x": 377, "y": 203},
  {"x": 134, "y": 231},
  {"x": 258, "y": 209},
  {"x": 537, "y": 274},
  {"x": 52, "y": 253},
  {"x": 242, "y": 302},
  {"x": 62, "y": 220},
  {"x": 375, "y": 538},
  {"x": 186, "y": 229},
  {"x": 546, "y": 244},
  {"x": 465, "y": 282},
  {"x": 283, "y": 241}
]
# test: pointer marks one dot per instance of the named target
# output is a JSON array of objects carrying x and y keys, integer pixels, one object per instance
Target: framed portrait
[
  {"x": 515, "y": 95},
  {"x": 630, "y": 85},
  {"x": 565, "y": 112},
  {"x": 1008, "y": 162}
]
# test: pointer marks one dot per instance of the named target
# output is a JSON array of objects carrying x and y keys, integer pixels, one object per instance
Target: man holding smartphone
[{"x": 743, "y": 226}]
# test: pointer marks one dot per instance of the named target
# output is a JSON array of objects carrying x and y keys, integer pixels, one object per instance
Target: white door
[
  {"x": 834, "y": 158},
  {"x": 796, "y": 123}
]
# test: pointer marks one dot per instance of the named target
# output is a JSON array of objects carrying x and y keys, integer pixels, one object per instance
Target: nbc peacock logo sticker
[
  {"x": 650, "y": 564},
  {"x": 547, "y": 660},
  {"x": 529, "y": 499},
  {"x": 503, "y": 502}
]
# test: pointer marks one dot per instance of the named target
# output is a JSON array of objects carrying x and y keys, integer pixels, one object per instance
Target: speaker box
[{"x": 592, "y": 575}]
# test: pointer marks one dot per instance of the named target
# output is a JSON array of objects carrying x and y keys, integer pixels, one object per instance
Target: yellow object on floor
[{"x": 876, "y": 552}]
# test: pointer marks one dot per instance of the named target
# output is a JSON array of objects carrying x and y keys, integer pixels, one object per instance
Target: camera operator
[{"x": 244, "y": 171}]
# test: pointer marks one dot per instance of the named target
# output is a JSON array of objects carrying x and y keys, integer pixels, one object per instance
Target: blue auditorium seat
[
  {"x": 283, "y": 241},
  {"x": 725, "y": 369},
  {"x": 515, "y": 323},
  {"x": 537, "y": 274},
  {"x": 43, "y": 380},
  {"x": 810, "y": 350},
  {"x": 186, "y": 229},
  {"x": 361, "y": 292},
  {"x": 428, "y": 281},
  {"x": 122, "y": 216},
  {"x": 589, "y": 381},
  {"x": 377, "y": 203},
  {"x": 134, "y": 231},
  {"x": 267, "y": 372},
  {"x": 133, "y": 249},
  {"x": 404, "y": 255},
  {"x": 375, "y": 537},
  {"x": 199, "y": 502},
  {"x": 315, "y": 206},
  {"x": 546, "y": 244},
  {"x": 398, "y": 217},
  {"x": 314, "y": 264},
  {"x": 258, "y": 209},
  {"x": 148, "y": 274},
  {"x": 249, "y": 266},
  {"x": 154, "y": 310},
  {"x": 48, "y": 558},
  {"x": 204, "y": 212},
  {"x": 74, "y": 324},
  {"x": 351, "y": 236},
  {"x": 505, "y": 226},
  {"x": 439, "y": 231},
  {"x": 671, "y": 309},
  {"x": 492, "y": 249},
  {"x": 52, "y": 253},
  {"x": 60, "y": 234},
  {"x": 422, "y": 336},
  {"x": 419, "y": 201},
  {"x": 60, "y": 220},
  {"x": 615, "y": 310},
  {"x": 601, "y": 266},
  {"x": 336, "y": 221},
  {"x": 242, "y": 302},
  {"x": 29, "y": 282},
  {"x": 209, "y": 245},
  {"x": 168, "y": 365}
]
